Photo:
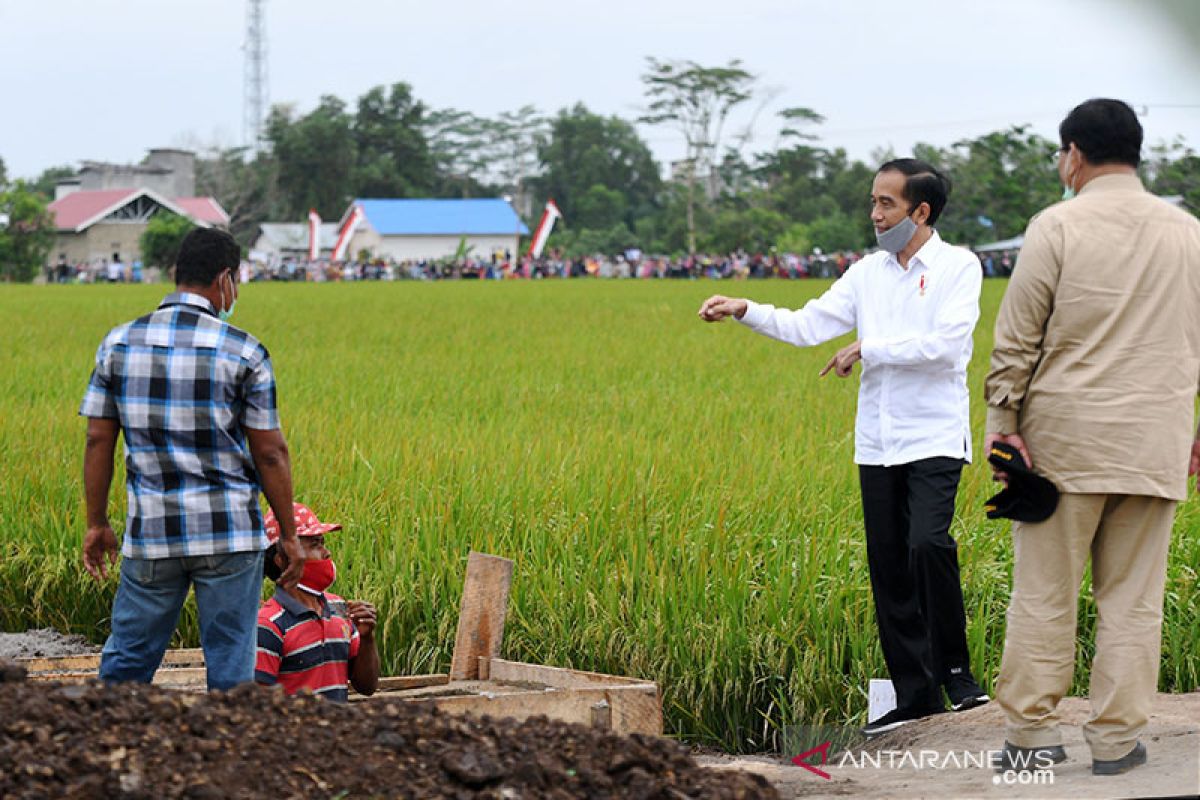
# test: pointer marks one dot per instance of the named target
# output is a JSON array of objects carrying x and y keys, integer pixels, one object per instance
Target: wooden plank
[
  {"x": 516, "y": 671},
  {"x": 633, "y": 709},
  {"x": 481, "y": 613},
  {"x": 397, "y": 683},
  {"x": 91, "y": 661},
  {"x": 173, "y": 676}
]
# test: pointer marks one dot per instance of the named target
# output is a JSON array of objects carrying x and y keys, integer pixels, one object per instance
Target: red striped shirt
[{"x": 301, "y": 649}]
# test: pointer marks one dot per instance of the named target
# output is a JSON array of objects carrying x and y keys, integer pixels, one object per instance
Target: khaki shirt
[{"x": 1097, "y": 351}]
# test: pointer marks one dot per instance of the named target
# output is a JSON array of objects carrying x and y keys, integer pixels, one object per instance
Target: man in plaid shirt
[{"x": 194, "y": 398}]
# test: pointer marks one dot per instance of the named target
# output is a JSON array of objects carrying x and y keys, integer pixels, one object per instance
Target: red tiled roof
[
  {"x": 78, "y": 207},
  {"x": 206, "y": 209}
]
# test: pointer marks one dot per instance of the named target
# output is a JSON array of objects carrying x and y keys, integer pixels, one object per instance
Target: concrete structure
[
  {"x": 169, "y": 173},
  {"x": 416, "y": 230},
  {"x": 279, "y": 241}
]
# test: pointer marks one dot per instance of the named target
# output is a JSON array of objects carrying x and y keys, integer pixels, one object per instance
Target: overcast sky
[{"x": 107, "y": 79}]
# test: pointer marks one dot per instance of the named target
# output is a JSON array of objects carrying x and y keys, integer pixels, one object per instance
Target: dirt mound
[
  {"x": 137, "y": 741},
  {"x": 43, "y": 643}
]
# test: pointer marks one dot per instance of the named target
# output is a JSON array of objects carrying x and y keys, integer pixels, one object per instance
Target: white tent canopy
[{"x": 1004, "y": 244}]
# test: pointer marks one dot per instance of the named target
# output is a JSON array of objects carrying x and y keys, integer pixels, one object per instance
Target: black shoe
[
  {"x": 964, "y": 692},
  {"x": 1135, "y": 758},
  {"x": 1028, "y": 759},
  {"x": 897, "y": 717}
]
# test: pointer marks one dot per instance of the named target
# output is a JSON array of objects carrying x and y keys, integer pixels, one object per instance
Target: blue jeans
[{"x": 146, "y": 611}]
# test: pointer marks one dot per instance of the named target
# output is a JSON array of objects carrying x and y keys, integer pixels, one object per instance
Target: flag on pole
[
  {"x": 314, "y": 234},
  {"x": 543, "y": 229},
  {"x": 343, "y": 240}
]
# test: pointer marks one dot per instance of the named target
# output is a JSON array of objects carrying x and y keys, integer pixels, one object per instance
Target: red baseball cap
[{"x": 307, "y": 523}]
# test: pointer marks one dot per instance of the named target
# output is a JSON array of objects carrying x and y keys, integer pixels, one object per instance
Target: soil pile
[{"x": 137, "y": 741}]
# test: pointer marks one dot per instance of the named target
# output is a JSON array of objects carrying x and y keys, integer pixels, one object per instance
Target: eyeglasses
[{"x": 1055, "y": 153}]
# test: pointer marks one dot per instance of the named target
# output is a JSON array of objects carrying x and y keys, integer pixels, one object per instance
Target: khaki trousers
[{"x": 1127, "y": 537}]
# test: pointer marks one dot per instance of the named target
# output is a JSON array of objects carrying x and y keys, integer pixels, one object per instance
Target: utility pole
[{"x": 254, "y": 88}]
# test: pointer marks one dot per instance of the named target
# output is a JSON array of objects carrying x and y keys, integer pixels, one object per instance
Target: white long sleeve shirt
[{"x": 916, "y": 328}]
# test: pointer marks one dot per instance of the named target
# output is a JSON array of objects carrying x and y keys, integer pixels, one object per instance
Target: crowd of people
[
  {"x": 632, "y": 264},
  {"x": 101, "y": 270},
  {"x": 502, "y": 266}
]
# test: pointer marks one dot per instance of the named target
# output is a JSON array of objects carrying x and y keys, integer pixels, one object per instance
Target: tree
[
  {"x": 586, "y": 157},
  {"x": 516, "y": 136},
  {"x": 835, "y": 232},
  {"x": 245, "y": 189},
  {"x": 696, "y": 101},
  {"x": 162, "y": 237},
  {"x": 45, "y": 183},
  {"x": 26, "y": 239},
  {"x": 392, "y": 155},
  {"x": 460, "y": 149},
  {"x": 315, "y": 157},
  {"x": 3, "y": 174},
  {"x": 1000, "y": 180},
  {"x": 754, "y": 230},
  {"x": 1174, "y": 169}
]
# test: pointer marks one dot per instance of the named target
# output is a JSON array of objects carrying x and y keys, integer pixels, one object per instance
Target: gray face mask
[{"x": 897, "y": 237}]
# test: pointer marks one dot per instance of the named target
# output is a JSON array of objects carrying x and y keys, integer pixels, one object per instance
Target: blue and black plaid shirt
[{"x": 183, "y": 385}]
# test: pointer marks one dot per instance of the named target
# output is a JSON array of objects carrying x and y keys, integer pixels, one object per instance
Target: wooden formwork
[{"x": 479, "y": 682}]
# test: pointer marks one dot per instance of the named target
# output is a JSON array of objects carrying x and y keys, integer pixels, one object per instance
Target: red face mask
[{"x": 318, "y": 575}]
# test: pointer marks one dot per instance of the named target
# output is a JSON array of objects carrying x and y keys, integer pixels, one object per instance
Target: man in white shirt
[{"x": 914, "y": 304}]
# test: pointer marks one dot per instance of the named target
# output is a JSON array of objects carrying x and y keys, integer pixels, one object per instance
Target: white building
[
  {"x": 415, "y": 230},
  {"x": 279, "y": 241}
]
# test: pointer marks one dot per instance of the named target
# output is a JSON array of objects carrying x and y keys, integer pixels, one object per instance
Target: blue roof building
[{"x": 419, "y": 229}]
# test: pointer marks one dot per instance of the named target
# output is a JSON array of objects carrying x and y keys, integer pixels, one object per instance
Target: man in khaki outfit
[{"x": 1093, "y": 378}]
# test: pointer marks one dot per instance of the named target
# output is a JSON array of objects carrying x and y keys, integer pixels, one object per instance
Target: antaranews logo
[
  {"x": 839, "y": 749},
  {"x": 802, "y": 760}
]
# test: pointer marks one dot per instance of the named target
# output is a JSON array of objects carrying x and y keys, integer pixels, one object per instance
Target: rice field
[{"x": 680, "y": 498}]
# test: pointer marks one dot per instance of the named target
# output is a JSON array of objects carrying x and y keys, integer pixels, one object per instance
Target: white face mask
[
  {"x": 1069, "y": 190},
  {"x": 225, "y": 313}
]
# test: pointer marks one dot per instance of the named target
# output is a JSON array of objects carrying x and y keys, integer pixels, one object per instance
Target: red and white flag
[
  {"x": 343, "y": 240},
  {"x": 314, "y": 234},
  {"x": 543, "y": 229}
]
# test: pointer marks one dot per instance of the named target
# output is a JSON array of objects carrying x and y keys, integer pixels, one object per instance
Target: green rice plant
[{"x": 679, "y": 498}]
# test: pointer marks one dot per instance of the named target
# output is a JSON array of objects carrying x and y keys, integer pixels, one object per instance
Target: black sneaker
[
  {"x": 964, "y": 692},
  {"x": 1135, "y": 758},
  {"x": 897, "y": 717},
  {"x": 1028, "y": 759}
]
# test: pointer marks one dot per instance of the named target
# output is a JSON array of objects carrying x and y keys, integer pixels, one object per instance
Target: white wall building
[{"x": 415, "y": 230}]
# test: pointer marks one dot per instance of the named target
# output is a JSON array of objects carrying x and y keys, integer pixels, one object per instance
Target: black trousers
[{"x": 913, "y": 561}]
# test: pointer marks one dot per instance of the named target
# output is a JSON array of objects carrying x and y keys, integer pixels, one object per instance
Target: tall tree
[
  {"x": 696, "y": 101},
  {"x": 316, "y": 158},
  {"x": 516, "y": 137},
  {"x": 460, "y": 148},
  {"x": 597, "y": 169},
  {"x": 27, "y": 235},
  {"x": 392, "y": 158}
]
